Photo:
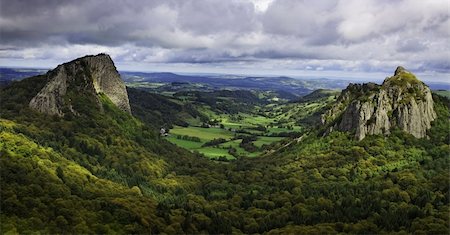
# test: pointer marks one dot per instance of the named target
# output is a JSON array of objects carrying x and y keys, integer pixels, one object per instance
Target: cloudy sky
[{"x": 336, "y": 38}]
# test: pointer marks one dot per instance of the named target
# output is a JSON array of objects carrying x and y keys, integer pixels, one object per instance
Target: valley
[
  {"x": 222, "y": 117},
  {"x": 236, "y": 123},
  {"x": 217, "y": 107},
  {"x": 82, "y": 153}
]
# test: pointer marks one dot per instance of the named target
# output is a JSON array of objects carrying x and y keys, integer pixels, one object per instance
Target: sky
[{"x": 320, "y": 38}]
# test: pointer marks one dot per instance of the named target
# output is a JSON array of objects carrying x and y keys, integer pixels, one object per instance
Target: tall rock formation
[
  {"x": 401, "y": 101},
  {"x": 89, "y": 75}
]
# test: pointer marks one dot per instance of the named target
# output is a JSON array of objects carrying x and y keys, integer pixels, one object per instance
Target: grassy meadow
[
  {"x": 225, "y": 124},
  {"x": 221, "y": 150}
]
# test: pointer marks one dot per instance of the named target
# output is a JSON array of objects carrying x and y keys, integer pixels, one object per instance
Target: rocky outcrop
[
  {"x": 401, "y": 101},
  {"x": 89, "y": 75}
]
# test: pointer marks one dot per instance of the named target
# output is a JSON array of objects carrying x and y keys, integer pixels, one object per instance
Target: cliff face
[
  {"x": 89, "y": 76},
  {"x": 401, "y": 101}
]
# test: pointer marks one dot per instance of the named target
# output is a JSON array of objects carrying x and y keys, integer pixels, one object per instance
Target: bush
[
  {"x": 214, "y": 142},
  {"x": 189, "y": 138}
]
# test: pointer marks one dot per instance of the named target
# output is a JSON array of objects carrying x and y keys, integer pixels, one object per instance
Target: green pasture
[
  {"x": 191, "y": 145},
  {"x": 210, "y": 152},
  {"x": 239, "y": 150},
  {"x": 247, "y": 121},
  {"x": 205, "y": 134},
  {"x": 145, "y": 84},
  {"x": 443, "y": 93},
  {"x": 282, "y": 114},
  {"x": 215, "y": 152},
  {"x": 266, "y": 140}
]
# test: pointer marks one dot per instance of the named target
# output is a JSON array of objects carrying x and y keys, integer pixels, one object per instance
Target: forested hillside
[
  {"x": 159, "y": 111},
  {"x": 105, "y": 171}
]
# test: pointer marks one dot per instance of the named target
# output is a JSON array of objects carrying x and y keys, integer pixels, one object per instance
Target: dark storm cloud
[
  {"x": 349, "y": 35},
  {"x": 116, "y": 22},
  {"x": 102, "y": 22}
]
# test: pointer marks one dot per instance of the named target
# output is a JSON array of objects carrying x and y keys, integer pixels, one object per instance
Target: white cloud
[{"x": 344, "y": 35}]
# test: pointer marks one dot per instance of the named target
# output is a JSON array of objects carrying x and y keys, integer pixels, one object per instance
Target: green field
[
  {"x": 267, "y": 123},
  {"x": 221, "y": 150},
  {"x": 244, "y": 120},
  {"x": 239, "y": 150},
  {"x": 211, "y": 152},
  {"x": 185, "y": 143},
  {"x": 205, "y": 134},
  {"x": 266, "y": 140},
  {"x": 443, "y": 93}
]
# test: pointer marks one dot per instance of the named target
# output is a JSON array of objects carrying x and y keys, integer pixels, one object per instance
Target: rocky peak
[
  {"x": 402, "y": 101},
  {"x": 402, "y": 78},
  {"x": 399, "y": 70},
  {"x": 89, "y": 76}
]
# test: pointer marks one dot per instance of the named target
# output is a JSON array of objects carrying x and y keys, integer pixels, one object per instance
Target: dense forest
[
  {"x": 158, "y": 111},
  {"x": 106, "y": 171}
]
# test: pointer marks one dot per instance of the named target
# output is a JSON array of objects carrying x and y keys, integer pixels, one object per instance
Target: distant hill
[
  {"x": 285, "y": 84},
  {"x": 444, "y": 93},
  {"x": 318, "y": 94},
  {"x": 7, "y": 75},
  {"x": 160, "y": 111},
  {"x": 292, "y": 85}
]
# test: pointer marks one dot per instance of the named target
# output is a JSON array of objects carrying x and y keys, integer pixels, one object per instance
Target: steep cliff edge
[
  {"x": 401, "y": 101},
  {"x": 88, "y": 76}
]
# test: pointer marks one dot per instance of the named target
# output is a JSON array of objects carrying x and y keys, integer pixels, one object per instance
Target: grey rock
[
  {"x": 401, "y": 101},
  {"x": 90, "y": 75},
  {"x": 399, "y": 70}
]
